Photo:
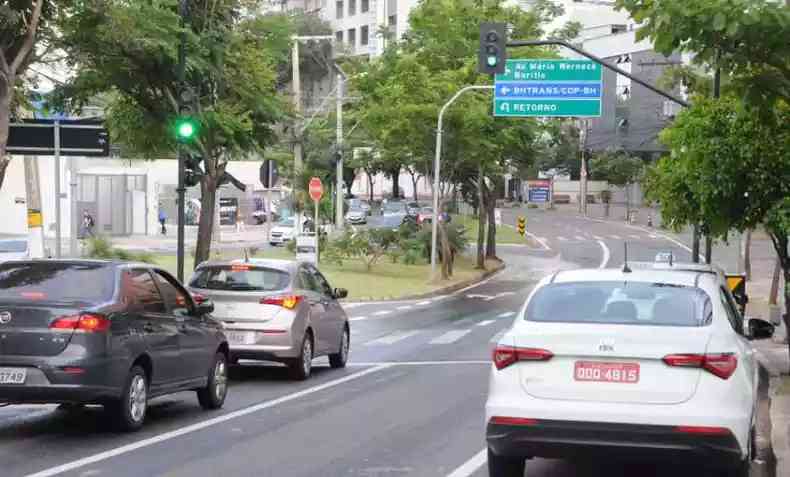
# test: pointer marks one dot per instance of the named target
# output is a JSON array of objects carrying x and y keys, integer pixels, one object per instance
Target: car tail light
[
  {"x": 702, "y": 430},
  {"x": 513, "y": 421},
  {"x": 504, "y": 356},
  {"x": 722, "y": 365},
  {"x": 289, "y": 302},
  {"x": 87, "y": 323},
  {"x": 198, "y": 298}
]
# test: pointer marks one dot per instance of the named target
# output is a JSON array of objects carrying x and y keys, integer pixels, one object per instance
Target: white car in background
[
  {"x": 654, "y": 362},
  {"x": 14, "y": 249},
  {"x": 285, "y": 230}
]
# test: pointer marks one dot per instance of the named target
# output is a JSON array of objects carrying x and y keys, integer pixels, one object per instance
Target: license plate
[
  {"x": 606, "y": 372},
  {"x": 241, "y": 337},
  {"x": 12, "y": 375}
]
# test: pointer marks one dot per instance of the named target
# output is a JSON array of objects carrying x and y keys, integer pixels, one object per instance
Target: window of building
[
  {"x": 352, "y": 7},
  {"x": 339, "y": 36},
  {"x": 352, "y": 37},
  {"x": 619, "y": 29},
  {"x": 393, "y": 20},
  {"x": 339, "y": 9},
  {"x": 364, "y": 34},
  {"x": 623, "y": 83},
  {"x": 365, "y": 6}
]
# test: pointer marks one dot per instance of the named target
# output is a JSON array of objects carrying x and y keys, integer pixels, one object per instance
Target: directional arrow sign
[{"x": 549, "y": 88}]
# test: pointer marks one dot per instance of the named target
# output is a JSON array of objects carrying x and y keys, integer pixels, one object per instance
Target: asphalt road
[{"x": 409, "y": 404}]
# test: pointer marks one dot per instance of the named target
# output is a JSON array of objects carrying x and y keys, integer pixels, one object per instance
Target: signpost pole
[
  {"x": 72, "y": 208},
  {"x": 317, "y": 232},
  {"x": 58, "y": 231}
]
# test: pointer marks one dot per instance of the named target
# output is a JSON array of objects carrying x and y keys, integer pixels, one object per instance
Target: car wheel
[
  {"x": 301, "y": 367},
  {"x": 499, "y": 466},
  {"x": 128, "y": 413},
  {"x": 339, "y": 359},
  {"x": 744, "y": 468},
  {"x": 213, "y": 395}
]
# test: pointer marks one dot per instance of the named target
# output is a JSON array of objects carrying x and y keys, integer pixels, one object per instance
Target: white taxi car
[{"x": 650, "y": 362}]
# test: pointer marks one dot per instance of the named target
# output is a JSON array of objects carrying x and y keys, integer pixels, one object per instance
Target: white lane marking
[
  {"x": 417, "y": 363},
  {"x": 506, "y": 314},
  {"x": 471, "y": 466},
  {"x": 653, "y": 236},
  {"x": 561, "y": 238},
  {"x": 580, "y": 237},
  {"x": 635, "y": 237},
  {"x": 79, "y": 463},
  {"x": 596, "y": 237},
  {"x": 616, "y": 237},
  {"x": 606, "y": 254},
  {"x": 392, "y": 338},
  {"x": 405, "y": 307},
  {"x": 423, "y": 303},
  {"x": 541, "y": 240},
  {"x": 358, "y": 318},
  {"x": 450, "y": 337},
  {"x": 486, "y": 322},
  {"x": 462, "y": 290},
  {"x": 382, "y": 313}
]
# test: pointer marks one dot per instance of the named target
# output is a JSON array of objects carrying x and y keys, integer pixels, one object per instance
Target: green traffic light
[
  {"x": 186, "y": 128},
  {"x": 492, "y": 61}
]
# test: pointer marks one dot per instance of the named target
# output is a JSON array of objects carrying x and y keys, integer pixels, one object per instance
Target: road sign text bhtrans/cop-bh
[{"x": 549, "y": 88}]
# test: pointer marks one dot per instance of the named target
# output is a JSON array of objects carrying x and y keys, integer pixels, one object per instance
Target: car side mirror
[
  {"x": 204, "y": 307},
  {"x": 758, "y": 329},
  {"x": 341, "y": 293}
]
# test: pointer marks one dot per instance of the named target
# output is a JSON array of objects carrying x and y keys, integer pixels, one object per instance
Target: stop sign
[{"x": 316, "y": 189}]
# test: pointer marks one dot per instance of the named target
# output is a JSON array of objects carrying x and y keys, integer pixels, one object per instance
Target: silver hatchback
[{"x": 276, "y": 310}]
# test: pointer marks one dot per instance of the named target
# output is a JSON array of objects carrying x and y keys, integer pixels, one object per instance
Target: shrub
[
  {"x": 101, "y": 247},
  {"x": 532, "y": 206}
]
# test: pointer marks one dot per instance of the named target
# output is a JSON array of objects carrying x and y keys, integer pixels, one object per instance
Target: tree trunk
[
  {"x": 370, "y": 186},
  {"x": 491, "y": 241},
  {"x": 628, "y": 203},
  {"x": 773, "y": 296},
  {"x": 208, "y": 191},
  {"x": 414, "y": 179},
  {"x": 5, "y": 122},
  {"x": 481, "y": 222},
  {"x": 446, "y": 252},
  {"x": 787, "y": 308},
  {"x": 395, "y": 184},
  {"x": 747, "y": 256}
]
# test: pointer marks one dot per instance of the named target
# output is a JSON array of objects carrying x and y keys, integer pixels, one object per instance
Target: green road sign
[{"x": 549, "y": 88}]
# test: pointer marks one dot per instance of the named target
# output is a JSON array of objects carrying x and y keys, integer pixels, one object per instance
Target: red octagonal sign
[{"x": 316, "y": 189}]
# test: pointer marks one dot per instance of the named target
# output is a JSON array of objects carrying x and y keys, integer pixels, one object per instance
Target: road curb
[{"x": 439, "y": 291}]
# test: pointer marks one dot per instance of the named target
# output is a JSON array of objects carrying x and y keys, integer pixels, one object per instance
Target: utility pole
[
  {"x": 339, "y": 141},
  {"x": 58, "y": 212},
  {"x": 297, "y": 87},
  {"x": 35, "y": 223},
  {"x": 73, "y": 229},
  {"x": 181, "y": 189},
  {"x": 583, "y": 169},
  {"x": 716, "y": 95}
]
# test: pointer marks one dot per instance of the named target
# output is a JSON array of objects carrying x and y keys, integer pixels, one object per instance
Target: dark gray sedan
[{"x": 110, "y": 333}]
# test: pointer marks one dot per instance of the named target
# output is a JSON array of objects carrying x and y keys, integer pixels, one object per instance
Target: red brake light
[
  {"x": 87, "y": 323},
  {"x": 289, "y": 302},
  {"x": 513, "y": 421},
  {"x": 504, "y": 356},
  {"x": 198, "y": 298},
  {"x": 703, "y": 430},
  {"x": 722, "y": 365}
]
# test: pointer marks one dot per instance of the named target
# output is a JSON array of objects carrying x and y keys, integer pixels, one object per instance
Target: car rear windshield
[
  {"x": 240, "y": 278},
  {"x": 13, "y": 246},
  {"x": 627, "y": 303},
  {"x": 54, "y": 282}
]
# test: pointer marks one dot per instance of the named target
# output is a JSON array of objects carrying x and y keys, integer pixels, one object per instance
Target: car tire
[
  {"x": 499, "y": 466},
  {"x": 128, "y": 413},
  {"x": 213, "y": 395},
  {"x": 301, "y": 367},
  {"x": 339, "y": 359},
  {"x": 744, "y": 468}
]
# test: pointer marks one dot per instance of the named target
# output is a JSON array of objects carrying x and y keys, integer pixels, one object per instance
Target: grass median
[
  {"x": 386, "y": 280},
  {"x": 504, "y": 234}
]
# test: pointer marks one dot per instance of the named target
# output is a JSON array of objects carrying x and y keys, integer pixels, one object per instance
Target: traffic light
[
  {"x": 186, "y": 127},
  {"x": 192, "y": 171},
  {"x": 493, "y": 48},
  {"x": 522, "y": 225}
]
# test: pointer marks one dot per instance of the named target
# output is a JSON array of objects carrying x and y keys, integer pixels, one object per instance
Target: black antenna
[
  {"x": 626, "y": 269},
  {"x": 671, "y": 258},
  {"x": 246, "y": 255}
]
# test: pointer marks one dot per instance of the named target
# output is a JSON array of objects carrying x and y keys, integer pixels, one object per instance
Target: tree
[
  {"x": 25, "y": 38},
  {"x": 129, "y": 51},
  {"x": 734, "y": 166},
  {"x": 619, "y": 169}
]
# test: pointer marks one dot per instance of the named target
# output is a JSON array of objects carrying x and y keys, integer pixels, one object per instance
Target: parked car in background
[
  {"x": 394, "y": 208},
  {"x": 390, "y": 222},
  {"x": 110, "y": 333},
  {"x": 276, "y": 310},
  {"x": 425, "y": 216},
  {"x": 356, "y": 216},
  {"x": 14, "y": 249},
  {"x": 413, "y": 209},
  {"x": 285, "y": 230},
  {"x": 356, "y": 203}
]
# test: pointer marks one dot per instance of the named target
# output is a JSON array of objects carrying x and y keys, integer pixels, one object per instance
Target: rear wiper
[{"x": 241, "y": 286}]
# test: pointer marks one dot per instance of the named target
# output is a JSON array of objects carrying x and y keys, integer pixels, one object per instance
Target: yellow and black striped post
[{"x": 521, "y": 226}]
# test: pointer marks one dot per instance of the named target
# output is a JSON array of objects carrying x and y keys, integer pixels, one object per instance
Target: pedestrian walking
[
  {"x": 163, "y": 219},
  {"x": 87, "y": 224}
]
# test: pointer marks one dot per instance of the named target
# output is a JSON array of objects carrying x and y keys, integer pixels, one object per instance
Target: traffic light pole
[{"x": 181, "y": 190}]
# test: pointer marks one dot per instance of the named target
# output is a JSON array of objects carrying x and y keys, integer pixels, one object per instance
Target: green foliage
[
  {"x": 746, "y": 38},
  {"x": 617, "y": 167},
  {"x": 456, "y": 234},
  {"x": 368, "y": 245},
  {"x": 101, "y": 247}
]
